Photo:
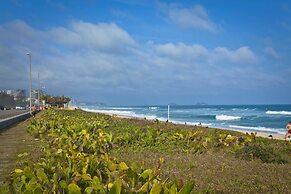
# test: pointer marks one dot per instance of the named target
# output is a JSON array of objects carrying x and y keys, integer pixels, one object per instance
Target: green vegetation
[
  {"x": 95, "y": 153},
  {"x": 57, "y": 101},
  {"x": 76, "y": 159}
]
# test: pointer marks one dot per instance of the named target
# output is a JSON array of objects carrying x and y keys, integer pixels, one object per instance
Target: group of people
[{"x": 34, "y": 109}]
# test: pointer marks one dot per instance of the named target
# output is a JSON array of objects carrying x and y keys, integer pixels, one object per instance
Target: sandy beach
[{"x": 258, "y": 134}]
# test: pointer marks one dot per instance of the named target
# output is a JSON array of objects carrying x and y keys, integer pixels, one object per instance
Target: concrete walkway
[
  {"x": 13, "y": 141},
  {"x": 4, "y": 114}
]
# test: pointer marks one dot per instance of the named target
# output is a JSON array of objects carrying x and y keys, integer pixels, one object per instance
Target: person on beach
[{"x": 288, "y": 127}]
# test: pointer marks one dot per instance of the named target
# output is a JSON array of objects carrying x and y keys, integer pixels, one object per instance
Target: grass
[
  {"x": 261, "y": 167},
  {"x": 217, "y": 171},
  {"x": 218, "y": 161}
]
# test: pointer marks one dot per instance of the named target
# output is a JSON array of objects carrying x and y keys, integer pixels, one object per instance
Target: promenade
[
  {"x": 4, "y": 114},
  {"x": 14, "y": 140}
]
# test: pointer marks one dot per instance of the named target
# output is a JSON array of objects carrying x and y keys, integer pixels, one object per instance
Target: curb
[{"x": 13, "y": 120}]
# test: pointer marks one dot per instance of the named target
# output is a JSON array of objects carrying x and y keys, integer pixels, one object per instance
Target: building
[
  {"x": 18, "y": 95},
  {"x": 34, "y": 95}
]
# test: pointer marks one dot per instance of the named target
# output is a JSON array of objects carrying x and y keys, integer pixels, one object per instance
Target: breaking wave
[
  {"x": 226, "y": 118},
  {"x": 269, "y": 112},
  {"x": 121, "y": 113}
]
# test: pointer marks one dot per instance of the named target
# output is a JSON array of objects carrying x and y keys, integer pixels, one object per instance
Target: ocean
[{"x": 260, "y": 118}]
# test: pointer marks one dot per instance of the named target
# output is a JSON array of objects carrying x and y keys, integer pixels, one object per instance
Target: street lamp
[
  {"x": 38, "y": 95},
  {"x": 29, "y": 81}
]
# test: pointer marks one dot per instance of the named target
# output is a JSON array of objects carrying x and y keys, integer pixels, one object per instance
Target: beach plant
[
  {"x": 76, "y": 159},
  {"x": 78, "y": 153},
  {"x": 260, "y": 151}
]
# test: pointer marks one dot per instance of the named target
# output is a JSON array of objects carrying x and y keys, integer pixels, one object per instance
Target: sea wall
[{"x": 13, "y": 120}]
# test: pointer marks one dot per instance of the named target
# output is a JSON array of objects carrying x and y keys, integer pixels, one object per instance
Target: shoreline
[{"x": 258, "y": 134}]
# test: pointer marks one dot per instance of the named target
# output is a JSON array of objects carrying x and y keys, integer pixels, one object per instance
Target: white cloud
[
  {"x": 271, "y": 52},
  {"x": 102, "y": 36},
  {"x": 20, "y": 32},
  {"x": 217, "y": 55},
  {"x": 195, "y": 17},
  {"x": 240, "y": 55},
  {"x": 181, "y": 50}
]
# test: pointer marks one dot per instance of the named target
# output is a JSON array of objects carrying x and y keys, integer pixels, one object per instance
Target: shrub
[{"x": 260, "y": 151}]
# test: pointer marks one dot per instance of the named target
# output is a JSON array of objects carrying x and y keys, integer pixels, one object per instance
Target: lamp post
[
  {"x": 38, "y": 95},
  {"x": 29, "y": 82}
]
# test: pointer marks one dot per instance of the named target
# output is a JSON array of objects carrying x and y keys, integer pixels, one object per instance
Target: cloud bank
[{"x": 103, "y": 61}]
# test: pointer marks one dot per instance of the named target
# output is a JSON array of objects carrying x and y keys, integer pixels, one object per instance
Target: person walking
[
  {"x": 33, "y": 110},
  {"x": 288, "y": 127}
]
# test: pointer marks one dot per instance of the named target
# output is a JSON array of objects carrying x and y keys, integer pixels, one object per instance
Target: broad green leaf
[
  {"x": 55, "y": 177},
  {"x": 59, "y": 151},
  {"x": 96, "y": 182},
  {"x": 187, "y": 188},
  {"x": 22, "y": 155},
  {"x": 38, "y": 190},
  {"x": 23, "y": 179},
  {"x": 144, "y": 188},
  {"x": 89, "y": 190},
  {"x": 28, "y": 172},
  {"x": 41, "y": 175},
  {"x": 123, "y": 166},
  {"x": 74, "y": 189},
  {"x": 18, "y": 171},
  {"x": 63, "y": 184},
  {"x": 110, "y": 185},
  {"x": 112, "y": 166},
  {"x": 156, "y": 189},
  {"x": 173, "y": 189},
  {"x": 116, "y": 188},
  {"x": 31, "y": 185},
  {"x": 86, "y": 177},
  {"x": 147, "y": 173}
]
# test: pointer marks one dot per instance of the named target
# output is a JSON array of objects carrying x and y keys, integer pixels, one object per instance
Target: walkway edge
[{"x": 13, "y": 120}]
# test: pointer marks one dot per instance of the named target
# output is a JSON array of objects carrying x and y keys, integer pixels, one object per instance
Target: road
[{"x": 10, "y": 113}]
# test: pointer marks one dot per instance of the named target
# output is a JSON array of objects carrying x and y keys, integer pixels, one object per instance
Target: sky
[{"x": 129, "y": 52}]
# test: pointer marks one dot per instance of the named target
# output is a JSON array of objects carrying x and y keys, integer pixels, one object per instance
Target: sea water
[{"x": 260, "y": 118}]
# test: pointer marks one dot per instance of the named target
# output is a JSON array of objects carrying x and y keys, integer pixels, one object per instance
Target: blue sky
[{"x": 128, "y": 52}]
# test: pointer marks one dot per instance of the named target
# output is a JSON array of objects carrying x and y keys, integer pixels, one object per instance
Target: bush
[{"x": 260, "y": 151}]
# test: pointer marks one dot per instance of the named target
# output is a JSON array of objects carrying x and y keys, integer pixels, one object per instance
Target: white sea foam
[
  {"x": 226, "y": 117},
  {"x": 121, "y": 113},
  {"x": 117, "y": 112},
  {"x": 264, "y": 129},
  {"x": 153, "y": 108},
  {"x": 150, "y": 117},
  {"x": 269, "y": 112},
  {"x": 183, "y": 122},
  {"x": 124, "y": 108}
]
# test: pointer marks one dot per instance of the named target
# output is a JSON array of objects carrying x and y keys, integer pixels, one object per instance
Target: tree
[{"x": 58, "y": 101}]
